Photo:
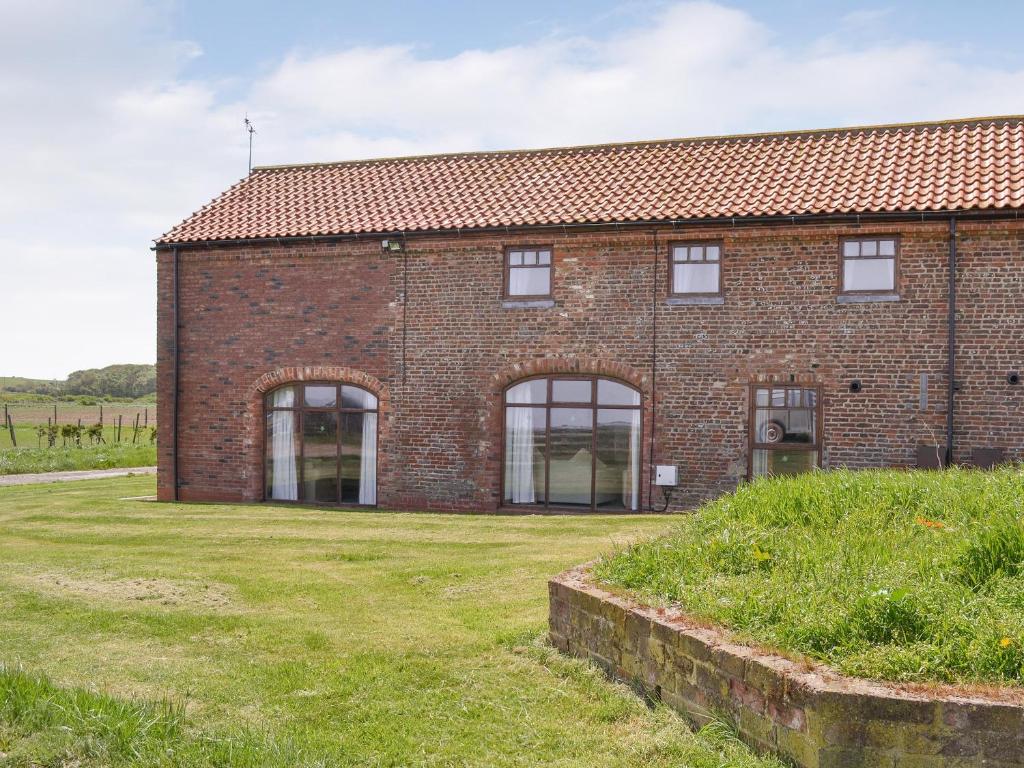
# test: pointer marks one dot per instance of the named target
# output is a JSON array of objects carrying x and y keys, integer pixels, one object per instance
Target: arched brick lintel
[
  {"x": 296, "y": 375},
  {"x": 552, "y": 366},
  {"x": 338, "y": 373}
]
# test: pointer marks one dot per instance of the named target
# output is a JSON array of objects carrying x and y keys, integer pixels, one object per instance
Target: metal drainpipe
[
  {"x": 405, "y": 312},
  {"x": 174, "y": 412},
  {"x": 951, "y": 356},
  {"x": 654, "y": 372}
]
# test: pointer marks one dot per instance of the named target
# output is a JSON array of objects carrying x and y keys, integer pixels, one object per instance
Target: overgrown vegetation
[
  {"x": 910, "y": 576},
  {"x": 232, "y": 635},
  {"x": 130, "y": 381},
  {"x": 26, "y": 386}
]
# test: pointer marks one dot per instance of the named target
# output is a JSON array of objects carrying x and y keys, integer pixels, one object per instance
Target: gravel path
[{"x": 86, "y": 474}]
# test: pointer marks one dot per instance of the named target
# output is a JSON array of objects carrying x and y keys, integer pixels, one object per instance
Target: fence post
[
  {"x": 145, "y": 423},
  {"x": 10, "y": 428},
  {"x": 119, "y": 417},
  {"x": 54, "y": 413},
  {"x": 101, "y": 413}
]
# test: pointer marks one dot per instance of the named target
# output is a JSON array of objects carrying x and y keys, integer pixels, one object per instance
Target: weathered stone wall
[{"x": 808, "y": 715}]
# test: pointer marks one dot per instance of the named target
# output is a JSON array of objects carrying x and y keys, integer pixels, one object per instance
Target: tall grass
[
  {"x": 17, "y": 461},
  {"x": 50, "y": 725},
  {"x": 996, "y": 550},
  {"x": 885, "y": 574}
]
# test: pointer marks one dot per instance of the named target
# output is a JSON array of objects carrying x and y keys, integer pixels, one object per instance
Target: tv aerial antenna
[{"x": 251, "y": 129}]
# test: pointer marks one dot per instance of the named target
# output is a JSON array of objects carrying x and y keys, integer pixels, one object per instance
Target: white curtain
[
  {"x": 368, "y": 463},
  {"x": 696, "y": 278},
  {"x": 760, "y": 463},
  {"x": 284, "y": 482},
  {"x": 519, "y": 282},
  {"x": 520, "y": 437},
  {"x": 634, "y": 459}
]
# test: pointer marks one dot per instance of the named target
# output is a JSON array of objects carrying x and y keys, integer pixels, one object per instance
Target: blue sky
[
  {"x": 120, "y": 117},
  {"x": 247, "y": 36}
]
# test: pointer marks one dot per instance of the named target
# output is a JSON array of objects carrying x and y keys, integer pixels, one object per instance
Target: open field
[
  {"x": 26, "y": 436},
  {"x": 27, "y": 416},
  {"x": 907, "y": 576},
  {"x": 261, "y": 635},
  {"x": 32, "y": 453}
]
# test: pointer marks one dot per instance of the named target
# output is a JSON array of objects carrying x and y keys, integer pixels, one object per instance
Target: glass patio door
[{"x": 321, "y": 444}]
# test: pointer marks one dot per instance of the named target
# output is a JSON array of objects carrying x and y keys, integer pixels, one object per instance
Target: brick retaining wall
[{"x": 809, "y": 715}]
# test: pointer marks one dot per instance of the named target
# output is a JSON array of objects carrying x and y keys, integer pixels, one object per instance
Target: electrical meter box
[{"x": 665, "y": 474}]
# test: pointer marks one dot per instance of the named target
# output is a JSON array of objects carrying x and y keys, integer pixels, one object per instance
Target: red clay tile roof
[{"x": 962, "y": 165}]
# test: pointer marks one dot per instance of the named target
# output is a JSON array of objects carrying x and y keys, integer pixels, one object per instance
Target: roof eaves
[{"x": 782, "y": 218}]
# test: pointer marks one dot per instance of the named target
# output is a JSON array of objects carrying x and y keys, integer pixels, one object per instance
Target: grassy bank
[
  {"x": 885, "y": 574},
  {"x": 279, "y": 636}
]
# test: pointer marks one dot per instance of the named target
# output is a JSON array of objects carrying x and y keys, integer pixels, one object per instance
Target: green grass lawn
[
  {"x": 910, "y": 576},
  {"x": 137, "y": 633}
]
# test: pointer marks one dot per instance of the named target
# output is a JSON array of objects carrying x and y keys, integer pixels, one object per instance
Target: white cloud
[
  {"x": 693, "y": 68},
  {"x": 109, "y": 143}
]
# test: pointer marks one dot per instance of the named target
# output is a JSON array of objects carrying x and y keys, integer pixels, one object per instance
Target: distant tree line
[{"x": 129, "y": 381}]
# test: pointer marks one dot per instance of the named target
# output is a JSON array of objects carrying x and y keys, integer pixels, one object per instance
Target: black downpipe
[
  {"x": 174, "y": 410},
  {"x": 654, "y": 373},
  {"x": 405, "y": 310},
  {"x": 951, "y": 357}
]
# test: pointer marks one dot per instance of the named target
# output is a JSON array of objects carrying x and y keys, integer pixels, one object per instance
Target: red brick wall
[
  {"x": 990, "y": 339},
  {"x": 249, "y": 311}
]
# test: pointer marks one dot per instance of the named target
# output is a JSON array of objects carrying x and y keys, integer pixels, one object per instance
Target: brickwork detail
[
  {"x": 810, "y": 716},
  {"x": 429, "y": 324}
]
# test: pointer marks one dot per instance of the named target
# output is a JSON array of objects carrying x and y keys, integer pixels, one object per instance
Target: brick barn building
[{"x": 542, "y": 330}]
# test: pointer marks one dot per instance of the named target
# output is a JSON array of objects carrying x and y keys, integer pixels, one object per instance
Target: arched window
[
  {"x": 321, "y": 444},
  {"x": 572, "y": 441}
]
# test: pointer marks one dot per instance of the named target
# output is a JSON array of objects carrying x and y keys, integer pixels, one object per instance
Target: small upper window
[
  {"x": 528, "y": 272},
  {"x": 869, "y": 265},
  {"x": 696, "y": 269}
]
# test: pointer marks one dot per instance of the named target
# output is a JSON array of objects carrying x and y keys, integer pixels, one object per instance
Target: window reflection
[{"x": 564, "y": 449}]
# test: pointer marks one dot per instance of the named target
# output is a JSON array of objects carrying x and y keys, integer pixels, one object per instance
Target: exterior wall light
[
  {"x": 391, "y": 246},
  {"x": 1013, "y": 378}
]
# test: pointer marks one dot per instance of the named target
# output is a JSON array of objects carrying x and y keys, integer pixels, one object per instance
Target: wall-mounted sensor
[
  {"x": 1013, "y": 378},
  {"x": 855, "y": 385}
]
